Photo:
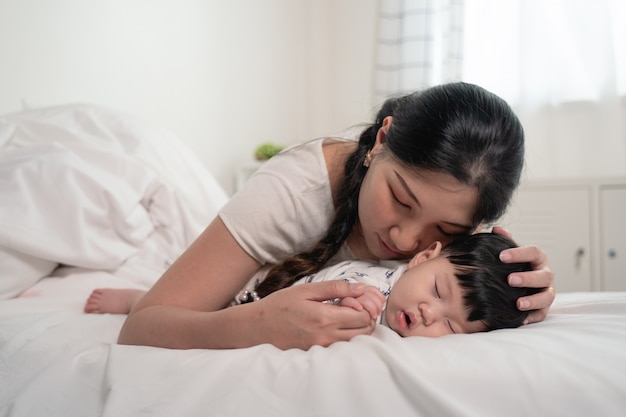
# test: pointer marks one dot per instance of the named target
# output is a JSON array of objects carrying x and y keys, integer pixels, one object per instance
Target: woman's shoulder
[
  {"x": 307, "y": 157},
  {"x": 329, "y": 149},
  {"x": 298, "y": 168},
  {"x": 313, "y": 163},
  {"x": 284, "y": 207}
]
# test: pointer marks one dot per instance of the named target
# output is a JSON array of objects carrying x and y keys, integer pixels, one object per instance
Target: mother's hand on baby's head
[{"x": 541, "y": 276}]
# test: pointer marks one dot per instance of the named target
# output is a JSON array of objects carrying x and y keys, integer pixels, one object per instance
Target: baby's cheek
[{"x": 388, "y": 316}]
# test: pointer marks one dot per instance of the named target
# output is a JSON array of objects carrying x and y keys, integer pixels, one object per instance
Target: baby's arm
[{"x": 372, "y": 301}]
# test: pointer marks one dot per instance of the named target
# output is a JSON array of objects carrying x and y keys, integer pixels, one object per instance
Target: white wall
[{"x": 224, "y": 75}]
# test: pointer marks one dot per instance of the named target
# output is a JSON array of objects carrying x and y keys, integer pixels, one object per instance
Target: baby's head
[
  {"x": 484, "y": 279},
  {"x": 462, "y": 288}
]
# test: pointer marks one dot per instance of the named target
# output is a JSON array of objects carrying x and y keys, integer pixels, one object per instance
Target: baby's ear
[{"x": 432, "y": 251}]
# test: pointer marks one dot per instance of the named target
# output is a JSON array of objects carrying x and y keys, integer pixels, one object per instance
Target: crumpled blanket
[{"x": 85, "y": 186}]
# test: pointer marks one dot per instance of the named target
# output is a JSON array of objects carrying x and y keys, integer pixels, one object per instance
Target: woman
[{"x": 435, "y": 164}]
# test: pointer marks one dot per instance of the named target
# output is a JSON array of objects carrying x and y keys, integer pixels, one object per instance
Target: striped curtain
[{"x": 419, "y": 44}]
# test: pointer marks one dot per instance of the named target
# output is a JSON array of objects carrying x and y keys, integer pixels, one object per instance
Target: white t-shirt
[{"x": 285, "y": 207}]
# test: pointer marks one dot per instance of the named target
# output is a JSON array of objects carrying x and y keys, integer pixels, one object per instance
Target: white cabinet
[
  {"x": 581, "y": 225},
  {"x": 613, "y": 237},
  {"x": 558, "y": 220}
]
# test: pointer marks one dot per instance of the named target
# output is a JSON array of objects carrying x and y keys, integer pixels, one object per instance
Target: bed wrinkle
[
  {"x": 51, "y": 356},
  {"x": 36, "y": 324},
  {"x": 408, "y": 362}
]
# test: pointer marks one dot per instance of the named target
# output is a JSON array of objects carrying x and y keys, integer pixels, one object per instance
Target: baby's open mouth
[{"x": 404, "y": 320}]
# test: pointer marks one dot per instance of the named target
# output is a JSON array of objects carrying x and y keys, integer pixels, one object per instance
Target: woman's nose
[{"x": 406, "y": 238}]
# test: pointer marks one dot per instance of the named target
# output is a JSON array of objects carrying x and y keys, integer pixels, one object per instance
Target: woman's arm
[
  {"x": 541, "y": 276},
  {"x": 186, "y": 307}
]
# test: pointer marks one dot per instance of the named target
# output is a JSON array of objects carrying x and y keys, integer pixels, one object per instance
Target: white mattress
[{"x": 57, "y": 361}]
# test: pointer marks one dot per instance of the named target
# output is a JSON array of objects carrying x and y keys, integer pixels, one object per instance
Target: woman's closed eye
[
  {"x": 397, "y": 200},
  {"x": 450, "y": 235}
]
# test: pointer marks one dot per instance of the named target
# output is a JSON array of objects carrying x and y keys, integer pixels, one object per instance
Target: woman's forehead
[
  {"x": 450, "y": 194},
  {"x": 436, "y": 179}
]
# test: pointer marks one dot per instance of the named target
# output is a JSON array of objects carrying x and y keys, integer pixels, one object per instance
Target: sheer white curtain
[
  {"x": 560, "y": 63},
  {"x": 562, "y": 66},
  {"x": 419, "y": 44}
]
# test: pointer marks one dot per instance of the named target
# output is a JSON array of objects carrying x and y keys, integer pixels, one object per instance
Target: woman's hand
[
  {"x": 541, "y": 276},
  {"x": 296, "y": 317}
]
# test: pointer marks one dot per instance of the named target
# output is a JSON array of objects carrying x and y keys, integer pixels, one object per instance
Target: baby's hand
[{"x": 372, "y": 301}]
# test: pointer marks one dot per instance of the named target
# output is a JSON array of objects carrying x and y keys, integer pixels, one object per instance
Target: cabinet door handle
[
  {"x": 612, "y": 253},
  {"x": 579, "y": 257}
]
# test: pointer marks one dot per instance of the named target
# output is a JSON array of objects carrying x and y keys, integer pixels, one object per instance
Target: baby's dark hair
[{"x": 483, "y": 278}]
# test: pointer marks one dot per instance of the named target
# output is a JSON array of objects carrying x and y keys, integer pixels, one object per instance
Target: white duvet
[
  {"x": 119, "y": 201},
  {"x": 86, "y": 186}
]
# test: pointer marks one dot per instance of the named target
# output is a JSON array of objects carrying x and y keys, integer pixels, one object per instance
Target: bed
[{"x": 91, "y": 197}]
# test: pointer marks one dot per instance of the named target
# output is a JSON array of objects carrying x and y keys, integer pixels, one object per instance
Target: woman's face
[{"x": 402, "y": 213}]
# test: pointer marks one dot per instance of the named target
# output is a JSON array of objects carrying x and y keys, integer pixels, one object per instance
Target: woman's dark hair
[
  {"x": 458, "y": 129},
  {"x": 483, "y": 278}
]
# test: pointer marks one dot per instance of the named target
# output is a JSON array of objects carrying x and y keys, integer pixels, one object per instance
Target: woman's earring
[{"x": 368, "y": 159}]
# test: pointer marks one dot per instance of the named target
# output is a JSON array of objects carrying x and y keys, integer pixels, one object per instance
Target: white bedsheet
[
  {"x": 126, "y": 200},
  {"x": 57, "y": 361},
  {"x": 504, "y": 373}
]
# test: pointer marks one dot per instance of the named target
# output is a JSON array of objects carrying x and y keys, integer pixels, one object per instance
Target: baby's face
[{"x": 427, "y": 301}]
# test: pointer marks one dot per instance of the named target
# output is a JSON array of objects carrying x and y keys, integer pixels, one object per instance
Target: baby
[{"x": 460, "y": 288}]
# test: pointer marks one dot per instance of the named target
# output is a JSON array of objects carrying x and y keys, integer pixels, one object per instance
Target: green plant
[{"x": 267, "y": 150}]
